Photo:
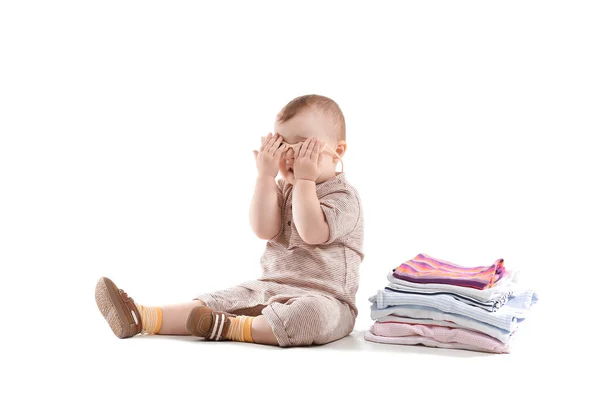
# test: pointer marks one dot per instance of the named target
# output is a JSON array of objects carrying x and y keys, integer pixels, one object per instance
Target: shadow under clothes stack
[{"x": 436, "y": 303}]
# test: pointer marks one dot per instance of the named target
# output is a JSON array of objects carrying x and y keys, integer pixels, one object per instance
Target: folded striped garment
[
  {"x": 496, "y": 294},
  {"x": 426, "y": 269},
  {"x": 488, "y": 306}
]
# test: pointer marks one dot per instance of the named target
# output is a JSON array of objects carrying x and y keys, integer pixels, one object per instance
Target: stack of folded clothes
[{"x": 439, "y": 304}]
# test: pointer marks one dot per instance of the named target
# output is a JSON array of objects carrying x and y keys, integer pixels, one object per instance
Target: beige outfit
[{"x": 306, "y": 292}]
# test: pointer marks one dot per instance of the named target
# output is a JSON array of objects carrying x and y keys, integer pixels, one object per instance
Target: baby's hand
[
  {"x": 308, "y": 159},
  {"x": 267, "y": 159}
]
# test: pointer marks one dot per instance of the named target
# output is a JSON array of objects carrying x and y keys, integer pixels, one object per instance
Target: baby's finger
[
  {"x": 281, "y": 150},
  {"x": 315, "y": 150},
  {"x": 303, "y": 148},
  {"x": 265, "y": 142},
  {"x": 275, "y": 146},
  {"x": 311, "y": 146}
]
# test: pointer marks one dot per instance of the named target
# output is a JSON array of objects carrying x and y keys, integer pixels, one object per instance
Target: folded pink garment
[
  {"x": 435, "y": 336},
  {"x": 416, "y": 340}
]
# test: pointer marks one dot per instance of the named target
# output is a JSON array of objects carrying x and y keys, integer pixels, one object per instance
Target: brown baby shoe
[
  {"x": 118, "y": 309},
  {"x": 207, "y": 323}
]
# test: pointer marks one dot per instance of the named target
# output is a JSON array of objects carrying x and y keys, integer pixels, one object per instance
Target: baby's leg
[
  {"x": 244, "y": 306},
  {"x": 210, "y": 324},
  {"x": 309, "y": 319},
  {"x": 127, "y": 318},
  {"x": 174, "y": 317},
  {"x": 262, "y": 332}
]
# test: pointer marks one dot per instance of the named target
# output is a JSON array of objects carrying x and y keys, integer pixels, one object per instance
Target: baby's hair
[{"x": 321, "y": 103}]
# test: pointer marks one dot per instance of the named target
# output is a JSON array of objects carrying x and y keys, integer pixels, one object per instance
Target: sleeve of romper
[{"x": 342, "y": 211}]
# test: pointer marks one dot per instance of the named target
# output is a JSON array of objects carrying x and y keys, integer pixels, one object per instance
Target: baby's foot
[
  {"x": 209, "y": 324},
  {"x": 118, "y": 309}
]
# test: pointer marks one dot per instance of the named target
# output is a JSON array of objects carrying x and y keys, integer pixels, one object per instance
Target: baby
[{"x": 312, "y": 219}]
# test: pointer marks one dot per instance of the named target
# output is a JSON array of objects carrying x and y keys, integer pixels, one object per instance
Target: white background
[{"x": 126, "y": 138}]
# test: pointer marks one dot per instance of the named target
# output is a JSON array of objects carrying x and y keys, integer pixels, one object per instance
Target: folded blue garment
[{"x": 507, "y": 317}]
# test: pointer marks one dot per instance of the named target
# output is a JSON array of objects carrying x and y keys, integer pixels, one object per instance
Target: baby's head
[{"x": 307, "y": 116}]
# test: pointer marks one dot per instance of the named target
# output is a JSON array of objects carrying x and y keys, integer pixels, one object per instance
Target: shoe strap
[
  {"x": 130, "y": 304},
  {"x": 218, "y": 327}
]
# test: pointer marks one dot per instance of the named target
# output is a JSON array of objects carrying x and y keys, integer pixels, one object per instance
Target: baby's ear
[{"x": 340, "y": 150}]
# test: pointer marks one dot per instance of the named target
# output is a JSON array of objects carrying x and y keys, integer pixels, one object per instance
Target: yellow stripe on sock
[
  {"x": 159, "y": 317},
  {"x": 151, "y": 318},
  {"x": 238, "y": 332},
  {"x": 240, "y": 329},
  {"x": 248, "y": 330}
]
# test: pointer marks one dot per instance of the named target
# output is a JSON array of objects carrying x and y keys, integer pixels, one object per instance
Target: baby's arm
[
  {"x": 265, "y": 214},
  {"x": 307, "y": 213}
]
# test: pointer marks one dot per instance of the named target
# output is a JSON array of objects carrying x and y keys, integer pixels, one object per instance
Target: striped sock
[
  {"x": 151, "y": 318},
  {"x": 240, "y": 329}
]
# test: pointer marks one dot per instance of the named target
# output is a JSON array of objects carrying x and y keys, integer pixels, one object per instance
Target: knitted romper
[{"x": 306, "y": 292}]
